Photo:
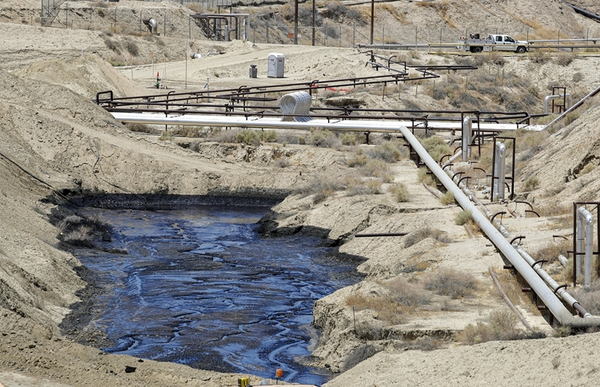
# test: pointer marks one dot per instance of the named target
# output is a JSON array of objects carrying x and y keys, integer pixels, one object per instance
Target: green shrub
[
  {"x": 349, "y": 139},
  {"x": 255, "y": 137},
  {"x": 462, "y": 217},
  {"x": 447, "y": 198},
  {"x": 268, "y": 135}
]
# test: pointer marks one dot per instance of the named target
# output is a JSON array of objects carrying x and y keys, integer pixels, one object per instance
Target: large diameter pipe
[
  {"x": 255, "y": 121},
  {"x": 557, "y": 308}
]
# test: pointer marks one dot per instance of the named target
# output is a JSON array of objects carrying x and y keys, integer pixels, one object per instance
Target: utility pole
[
  {"x": 372, "y": 18},
  {"x": 314, "y": 8},
  {"x": 295, "y": 21}
]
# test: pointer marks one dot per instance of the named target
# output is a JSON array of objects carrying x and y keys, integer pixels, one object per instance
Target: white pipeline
[
  {"x": 254, "y": 121},
  {"x": 557, "y": 308}
]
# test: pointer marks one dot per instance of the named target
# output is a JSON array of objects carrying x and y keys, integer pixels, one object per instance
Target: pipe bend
[{"x": 589, "y": 218}]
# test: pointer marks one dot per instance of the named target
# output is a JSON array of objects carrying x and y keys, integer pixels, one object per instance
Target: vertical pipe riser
[
  {"x": 587, "y": 217},
  {"x": 467, "y": 134},
  {"x": 499, "y": 173}
]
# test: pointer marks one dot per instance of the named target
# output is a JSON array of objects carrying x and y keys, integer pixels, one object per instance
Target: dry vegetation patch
[
  {"x": 451, "y": 283},
  {"x": 427, "y": 232},
  {"x": 500, "y": 325}
]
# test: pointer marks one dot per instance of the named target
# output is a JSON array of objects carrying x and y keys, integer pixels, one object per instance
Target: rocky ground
[{"x": 56, "y": 143}]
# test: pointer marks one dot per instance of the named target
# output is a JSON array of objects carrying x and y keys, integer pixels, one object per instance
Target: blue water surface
[{"x": 200, "y": 287}]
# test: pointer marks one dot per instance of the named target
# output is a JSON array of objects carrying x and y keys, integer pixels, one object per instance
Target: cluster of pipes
[
  {"x": 584, "y": 217},
  {"x": 296, "y": 116},
  {"x": 540, "y": 281}
]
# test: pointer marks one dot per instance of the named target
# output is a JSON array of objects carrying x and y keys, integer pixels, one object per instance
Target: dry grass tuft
[
  {"x": 452, "y": 283},
  {"x": 436, "y": 147},
  {"x": 400, "y": 192},
  {"x": 377, "y": 168},
  {"x": 462, "y": 217},
  {"x": 531, "y": 184},
  {"x": 388, "y": 151},
  {"x": 551, "y": 251},
  {"x": 406, "y": 293},
  {"x": 447, "y": 198},
  {"x": 589, "y": 298},
  {"x": 384, "y": 306},
  {"x": 322, "y": 187},
  {"x": 417, "y": 236},
  {"x": 426, "y": 177},
  {"x": 501, "y": 325},
  {"x": 140, "y": 128}
]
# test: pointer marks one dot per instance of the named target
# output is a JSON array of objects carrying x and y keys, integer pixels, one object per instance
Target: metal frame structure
[
  {"x": 261, "y": 101},
  {"x": 49, "y": 11},
  {"x": 214, "y": 29}
]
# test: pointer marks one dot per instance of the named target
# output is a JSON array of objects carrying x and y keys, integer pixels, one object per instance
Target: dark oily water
[{"x": 201, "y": 287}]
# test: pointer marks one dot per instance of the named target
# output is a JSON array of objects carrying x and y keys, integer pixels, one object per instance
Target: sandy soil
[{"x": 54, "y": 141}]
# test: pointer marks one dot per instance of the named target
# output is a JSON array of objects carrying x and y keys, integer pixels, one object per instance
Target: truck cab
[{"x": 509, "y": 43}]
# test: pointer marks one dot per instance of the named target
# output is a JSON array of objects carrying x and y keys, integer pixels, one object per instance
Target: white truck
[{"x": 493, "y": 42}]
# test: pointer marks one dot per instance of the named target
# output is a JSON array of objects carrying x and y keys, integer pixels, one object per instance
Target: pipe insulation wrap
[{"x": 296, "y": 103}]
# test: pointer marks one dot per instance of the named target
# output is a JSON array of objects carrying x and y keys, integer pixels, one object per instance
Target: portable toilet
[{"x": 275, "y": 65}]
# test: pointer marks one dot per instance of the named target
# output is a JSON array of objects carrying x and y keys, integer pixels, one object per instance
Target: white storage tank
[{"x": 275, "y": 65}]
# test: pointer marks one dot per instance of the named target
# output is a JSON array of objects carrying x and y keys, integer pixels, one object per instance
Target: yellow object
[{"x": 243, "y": 382}]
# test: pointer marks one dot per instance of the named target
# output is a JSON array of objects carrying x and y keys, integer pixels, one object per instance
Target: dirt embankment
[{"x": 54, "y": 141}]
